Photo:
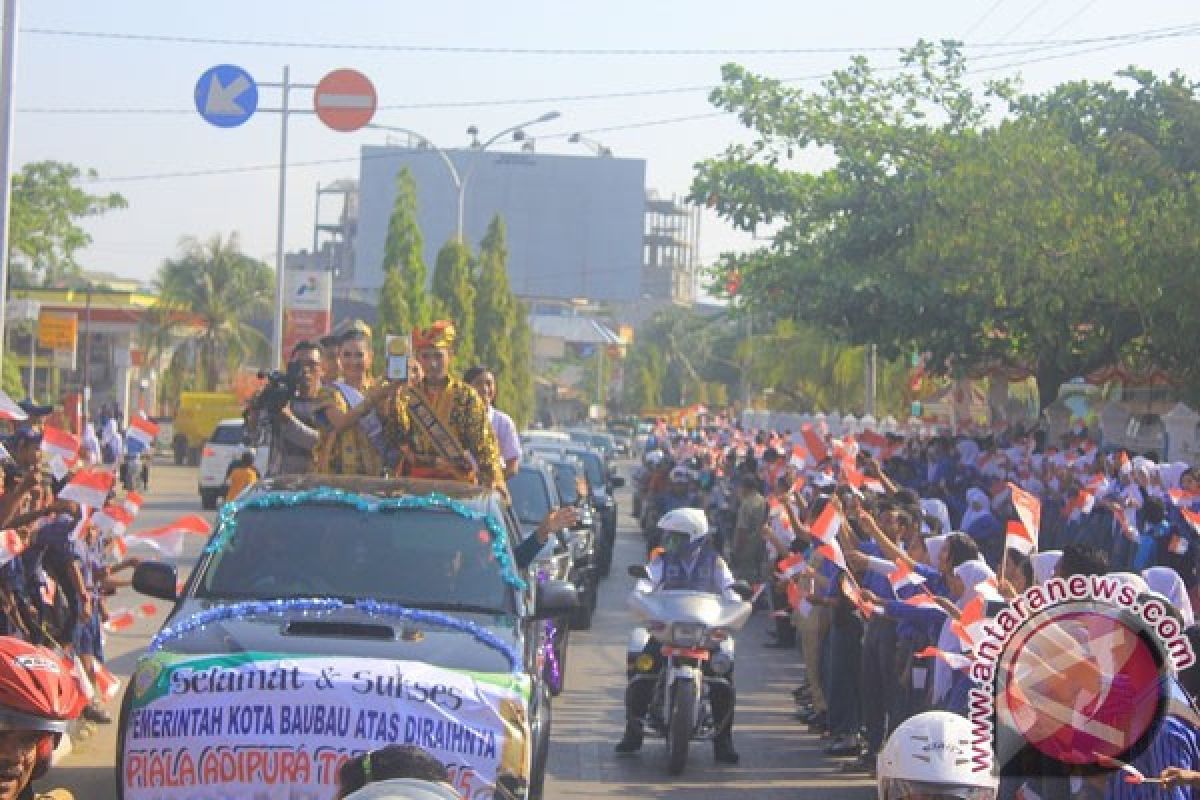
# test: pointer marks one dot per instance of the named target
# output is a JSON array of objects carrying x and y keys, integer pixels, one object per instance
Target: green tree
[
  {"x": 12, "y": 381},
  {"x": 454, "y": 297},
  {"x": 524, "y": 399},
  {"x": 45, "y": 232},
  {"x": 495, "y": 309},
  {"x": 403, "y": 302},
  {"x": 224, "y": 289}
]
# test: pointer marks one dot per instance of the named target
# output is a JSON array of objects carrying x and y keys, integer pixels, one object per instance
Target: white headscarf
[
  {"x": 937, "y": 509},
  {"x": 935, "y": 545},
  {"x": 1044, "y": 564},
  {"x": 975, "y": 497},
  {"x": 1167, "y": 582},
  {"x": 972, "y": 573}
]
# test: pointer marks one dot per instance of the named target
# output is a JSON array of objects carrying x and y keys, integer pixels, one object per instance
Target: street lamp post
[{"x": 460, "y": 179}]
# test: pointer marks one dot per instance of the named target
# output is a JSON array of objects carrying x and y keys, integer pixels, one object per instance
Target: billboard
[
  {"x": 308, "y": 295},
  {"x": 574, "y": 224}
]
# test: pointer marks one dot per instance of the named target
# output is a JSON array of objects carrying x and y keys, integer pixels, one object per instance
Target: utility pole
[{"x": 8, "y": 70}]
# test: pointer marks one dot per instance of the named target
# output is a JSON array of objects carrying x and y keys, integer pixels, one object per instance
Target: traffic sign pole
[
  {"x": 7, "y": 83},
  {"x": 277, "y": 328}
]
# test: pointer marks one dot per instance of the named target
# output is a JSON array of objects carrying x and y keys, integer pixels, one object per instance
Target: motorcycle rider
[
  {"x": 678, "y": 495},
  {"x": 928, "y": 755},
  {"x": 689, "y": 561}
]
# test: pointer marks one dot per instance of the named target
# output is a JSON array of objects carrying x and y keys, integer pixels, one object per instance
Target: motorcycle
[{"x": 693, "y": 628}]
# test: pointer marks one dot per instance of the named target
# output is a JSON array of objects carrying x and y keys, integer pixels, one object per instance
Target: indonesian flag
[
  {"x": 816, "y": 446},
  {"x": 828, "y": 523},
  {"x": 10, "y": 411},
  {"x": 792, "y": 565},
  {"x": 1018, "y": 538},
  {"x": 11, "y": 545},
  {"x": 1029, "y": 510},
  {"x": 107, "y": 684},
  {"x": 956, "y": 661},
  {"x": 132, "y": 502},
  {"x": 1125, "y": 519},
  {"x": 1178, "y": 545},
  {"x": 852, "y": 477},
  {"x": 902, "y": 577},
  {"x": 854, "y": 594},
  {"x": 89, "y": 487},
  {"x": 989, "y": 590},
  {"x": 1184, "y": 499},
  {"x": 59, "y": 443},
  {"x": 833, "y": 552},
  {"x": 971, "y": 613},
  {"x": 800, "y": 457},
  {"x": 1097, "y": 484},
  {"x": 112, "y": 520},
  {"x": 925, "y": 601},
  {"x": 799, "y": 484},
  {"x": 143, "y": 430},
  {"x": 875, "y": 443},
  {"x": 169, "y": 538},
  {"x": 1082, "y": 503}
]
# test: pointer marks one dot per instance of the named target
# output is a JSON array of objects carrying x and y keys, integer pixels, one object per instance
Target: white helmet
[
  {"x": 929, "y": 755},
  {"x": 690, "y": 521}
]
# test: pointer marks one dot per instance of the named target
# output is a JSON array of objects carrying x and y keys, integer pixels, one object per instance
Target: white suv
[{"x": 225, "y": 444}]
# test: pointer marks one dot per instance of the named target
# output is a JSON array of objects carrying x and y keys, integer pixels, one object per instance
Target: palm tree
[{"x": 224, "y": 289}]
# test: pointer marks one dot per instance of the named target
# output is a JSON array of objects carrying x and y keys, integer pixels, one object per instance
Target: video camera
[{"x": 280, "y": 389}]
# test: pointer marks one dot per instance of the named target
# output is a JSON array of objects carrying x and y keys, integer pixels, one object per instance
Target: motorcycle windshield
[{"x": 673, "y": 605}]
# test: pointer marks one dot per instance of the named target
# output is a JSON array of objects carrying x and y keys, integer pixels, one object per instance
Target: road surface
[{"x": 778, "y": 761}]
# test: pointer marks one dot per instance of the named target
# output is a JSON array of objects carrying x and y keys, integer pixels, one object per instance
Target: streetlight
[
  {"x": 603, "y": 151},
  {"x": 460, "y": 179}
]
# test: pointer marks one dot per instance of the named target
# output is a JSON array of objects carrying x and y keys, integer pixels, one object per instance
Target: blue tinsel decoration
[
  {"x": 226, "y": 518},
  {"x": 254, "y": 608}
]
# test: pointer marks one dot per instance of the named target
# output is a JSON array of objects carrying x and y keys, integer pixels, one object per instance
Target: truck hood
[{"x": 352, "y": 633}]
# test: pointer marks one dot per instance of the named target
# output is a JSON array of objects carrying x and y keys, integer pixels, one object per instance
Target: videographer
[{"x": 291, "y": 407}]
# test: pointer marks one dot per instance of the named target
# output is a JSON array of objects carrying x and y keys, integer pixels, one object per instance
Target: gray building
[{"x": 575, "y": 223}]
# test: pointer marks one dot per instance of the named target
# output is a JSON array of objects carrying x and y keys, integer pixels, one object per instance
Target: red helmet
[{"x": 38, "y": 691}]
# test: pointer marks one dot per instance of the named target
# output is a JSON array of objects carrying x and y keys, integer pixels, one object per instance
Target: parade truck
[{"x": 196, "y": 417}]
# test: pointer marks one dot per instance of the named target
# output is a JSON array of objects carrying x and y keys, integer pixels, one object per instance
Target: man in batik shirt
[{"x": 440, "y": 416}]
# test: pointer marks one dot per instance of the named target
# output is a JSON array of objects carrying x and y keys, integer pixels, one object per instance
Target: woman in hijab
[
  {"x": 1166, "y": 581},
  {"x": 1044, "y": 564},
  {"x": 981, "y": 524},
  {"x": 111, "y": 442}
]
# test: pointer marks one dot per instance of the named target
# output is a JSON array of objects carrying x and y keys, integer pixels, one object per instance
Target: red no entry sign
[{"x": 345, "y": 100}]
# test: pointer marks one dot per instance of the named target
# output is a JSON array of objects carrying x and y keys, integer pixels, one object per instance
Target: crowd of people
[{"x": 877, "y": 552}]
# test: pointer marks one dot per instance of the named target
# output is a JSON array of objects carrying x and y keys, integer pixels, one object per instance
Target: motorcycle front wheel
[{"x": 679, "y": 726}]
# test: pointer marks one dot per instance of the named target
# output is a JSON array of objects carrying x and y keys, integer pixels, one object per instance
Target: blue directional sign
[{"x": 226, "y": 96}]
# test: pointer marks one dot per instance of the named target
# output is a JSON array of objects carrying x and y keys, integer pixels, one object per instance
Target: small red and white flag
[
  {"x": 814, "y": 444},
  {"x": 11, "y": 545},
  {"x": 1028, "y": 508},
  {"x": 1191, "y": 518},
  {"x": 142, "y": 430},
  {"x": 792, "y": 565},
  {"x": 923, "y": 600},
  {"x": 108, "y": 686},
  {"x": 902, "y": 577},
  {"x": 1017, "y": 537},
  {"x": 827, "y": 524},
  {"x": 10, "y": 411},
  {"x": 121, "y": 618},
  {"x": 168, "y": 539},
  {"x": 956, "y": 661},
  {"x": 972, "y": 613},
  {"x": 61, "y": 449},
  {"x": 799, "y": 459},
  {"x": 1184, "y": 499},
  {"x": 833, "y": 552},
  {"x": 1178, "y": 545},
  {"x": 112, "y": 520},
  {"x": 89, "y": 487},
  {"x": 1082, "y": 503},
  {"x": 132, "y": 502}
]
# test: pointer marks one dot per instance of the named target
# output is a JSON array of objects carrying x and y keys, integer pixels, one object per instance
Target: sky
[{"x": 64, "y": 67}]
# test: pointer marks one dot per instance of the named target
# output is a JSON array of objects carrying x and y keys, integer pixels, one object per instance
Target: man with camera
[{"x": 292, "y": 405}]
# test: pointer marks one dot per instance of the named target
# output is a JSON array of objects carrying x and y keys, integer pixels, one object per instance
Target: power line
[
  {"x": 537, "y": 51},
  {"x": 1079, "y": 12},
  {"x": 1132, "y": 38},
  {"x": 1028, "y": 15},
  {"x": 975, "y": 25},
  {"x": 560, "y": 135}
]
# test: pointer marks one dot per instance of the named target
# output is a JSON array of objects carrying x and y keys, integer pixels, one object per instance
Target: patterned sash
[{"x": 437, "y": 430}]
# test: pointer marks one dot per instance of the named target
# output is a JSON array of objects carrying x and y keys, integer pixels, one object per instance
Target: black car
[
  {"x": 602, "y": 482},
  {"x": 398, "y": 590}
]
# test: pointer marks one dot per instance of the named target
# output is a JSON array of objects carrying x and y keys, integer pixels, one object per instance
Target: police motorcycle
[{"x": 680, "y": 659}]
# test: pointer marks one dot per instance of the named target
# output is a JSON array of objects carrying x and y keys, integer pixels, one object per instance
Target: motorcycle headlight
[
  {"x": 687, "y": 634},
  {"x": 721, "y": 663},
  {"x": 581, "y": 544}
]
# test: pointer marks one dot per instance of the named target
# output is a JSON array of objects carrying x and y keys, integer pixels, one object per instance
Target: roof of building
[{"x": 582, "y": 330}]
